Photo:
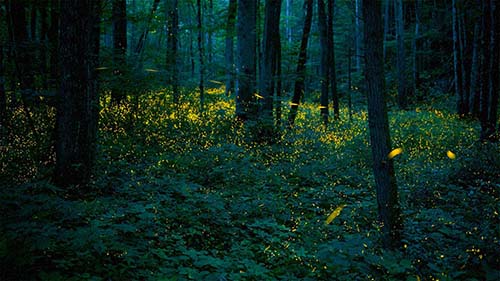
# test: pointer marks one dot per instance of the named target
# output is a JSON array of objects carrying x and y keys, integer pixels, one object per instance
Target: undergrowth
[{"x": 181, "y": 195}]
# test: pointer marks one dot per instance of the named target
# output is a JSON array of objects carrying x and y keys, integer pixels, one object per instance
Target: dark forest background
[{"x": 249, "y": 140}]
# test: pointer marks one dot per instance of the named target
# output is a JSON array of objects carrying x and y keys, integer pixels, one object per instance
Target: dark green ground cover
[{"x": 178, "y": 197}]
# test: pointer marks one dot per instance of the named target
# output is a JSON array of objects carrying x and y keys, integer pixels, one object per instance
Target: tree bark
[
  {"x": 119, "y": 18},
  {"x": 457, "y": 69},
  {"x": 172, "y": 45},
  {"x": 331, "y": 60},
  {"x": 144, "y": 35},
  {"x": 201, "y": 58},
  {"x": 385, "y": 181},
  {"x": 3, "y": 97},
  {"x": 22, "y": 47},
  {"x": 298, "y": 91},
  {"x": 358, "y": 33},
  {"x": 324, "y": 60},
  {"x": 400, "y": 58},
  {"x": 270, "y": 46},
  {"x": 54, "y": 43},
  {"x": 246, "y": 106},
  {"x": 77, "y": 109},
  {"x": 230, "y": 31}
]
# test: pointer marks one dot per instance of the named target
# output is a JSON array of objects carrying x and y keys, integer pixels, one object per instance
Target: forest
[{"x": 249, "y": 140}]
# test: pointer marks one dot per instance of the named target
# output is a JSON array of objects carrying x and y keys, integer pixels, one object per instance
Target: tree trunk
[
  {"x": 331, "y": 60},
  {"x": 23, "y": 52},
  {"x": 387, "y": 5},
  {"x": 270, "y": 45},
  {"x": 416, "y": 49},
  {"x": 298, "y": 91},
  {"x": 119, "y": 18},
  {"x": 457, "y": 70},
  {"x": 289, "y": 30},
  {"x": 44, "y": 29},
  {"x": 3, "y": 97},
  {"x": 77, "y": 109},
  {"x": 246, "y": 106},
  {"x": 400, "y": 58},
  {"x": 172, "y": 44},
  {"x": 385, "y": 181},
  {"x": 54, "y": 43},
  {"x": 230, "y": 31},
  {"x": 201, "y": 54},
  {"x": 324, "y": 54},
  {"x": 495, "y": 72},
  {"x": 144, "y": 35},
  {"x": 485, "y": 71},
  {"x": 358, "y": 33},
  {"x": 474, "y": 89}
]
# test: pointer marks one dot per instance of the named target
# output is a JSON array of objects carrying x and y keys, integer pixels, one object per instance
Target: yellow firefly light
[
  {"x": 451, "y": 155},
  {"x": 394, "y": 153},
  {"x": 334, "y": 214}
]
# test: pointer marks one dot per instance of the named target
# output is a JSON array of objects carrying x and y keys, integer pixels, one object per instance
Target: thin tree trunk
[
  {"x": 22, "y": 49},
  {"x": 201, "y": 54},
  {"x": 492, "y": 134},
  {"x": 400, "y": 58},
  {"x": 387, "y": 4},
  {"x": 119, "y": 49},
  {"x": 279, "y": 85},
  {"x": 44, "y": 29},
  {"x": 416, "y": 49},
  {"x": 289, "y": 30},
  {"x": 331, "y": 57},
  {"x": 349, "y": 82},
  {"x": 324, "y": 60},
  {"x": 172, "y": 45},
  {"x": 298, "y": 91},
  {"x": 385, "y": 180},
  {"x": 358, "y": 33},
  {"x": 3, "y": 97},
  {"x": 456, "y": 61},
  {"x": 474, "y": 89},
  {"x": 230, "y": 32},
  {"x": 54, "y": 43},
  {"x": 144, "y": 35}
]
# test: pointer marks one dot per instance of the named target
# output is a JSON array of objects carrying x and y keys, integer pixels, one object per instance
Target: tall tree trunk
[
  {"x": 349, "y": 83},
  {"x": 246, "y": 106},
  {"x": 331, "y": 60},
  {"x": 456, "y": 61},
  {"x": 54, "y": 43},
  {"x": 485, "y": 69},
  {"x": 230, "y": 32},
  {"x": 298, "y": 91},
  {"x": 476, "y": 53},
  {"x": 489, "y": 100},
  {"x": 44, "y": 29},
  {"x": 210, "y": 27},
  {"x": 387, "y": 5},
  {"x": 77, "y": 109},
  {"x": 22, "y": 46},
  {"x": 385, "y": 181},
  {"x": 144, "y": 35},
  {"x": 324, "y": 54},
  {"x": 279, "y": 85},
  {"x": 270, "y": 45},
  {"x": 358, "y": 33},
  {"x": 3, "y": 97},
  {"x": 201, "y": 54},
  {"x": 289, "y": 30},
  {"x": 416, "y": 49},
  {"x": 172, "y": 44},
  {"x": 401, "y": 59},
  {"x": 119, "y": 18}
]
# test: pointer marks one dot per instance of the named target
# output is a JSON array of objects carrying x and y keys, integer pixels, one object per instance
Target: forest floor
[{"x": 177, "y": 196}]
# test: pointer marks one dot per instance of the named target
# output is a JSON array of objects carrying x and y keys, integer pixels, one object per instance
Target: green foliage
[{"x": 178, "y": 195}]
